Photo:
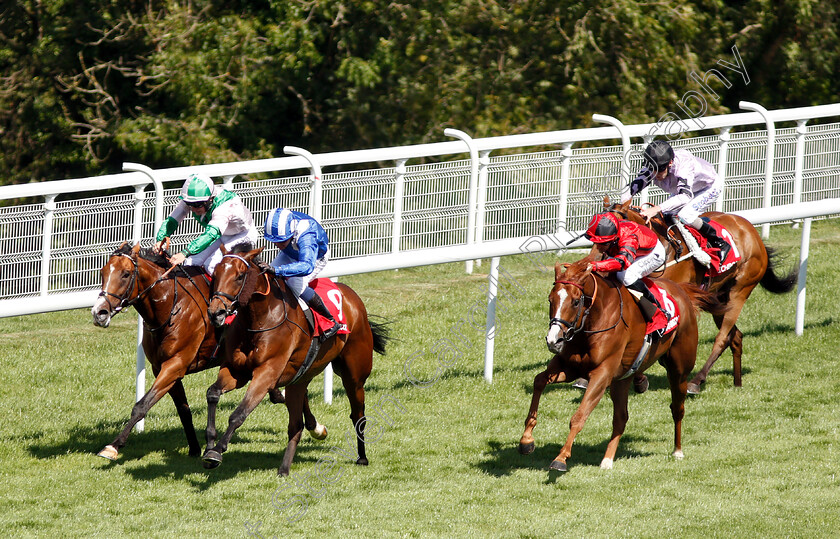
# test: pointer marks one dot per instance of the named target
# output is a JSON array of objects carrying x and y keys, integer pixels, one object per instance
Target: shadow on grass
[
  {"x": 771, "y": 328},
  {"x": 502, "y": 459}
]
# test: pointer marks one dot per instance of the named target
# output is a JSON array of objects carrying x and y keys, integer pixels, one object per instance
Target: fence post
[
  {"x": 723, "y": 156},
  {"x": 473, "y": 193},
  {"x": 46, "y": 242},
  {"x": 804, "y": 246},
  {"x": 399, "y": 196},
  {"x": 768, "y": 158},
  {"x": 799, "y": 160},
  {"x": 490, "y": 335},
  {"x": 565, "y": 172},
  {"x": 315, "y": 209}
]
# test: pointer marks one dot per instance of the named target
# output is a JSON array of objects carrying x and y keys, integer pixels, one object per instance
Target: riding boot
[
  {"x": 318, "y": 306},
  {"x": 713, "y": 239},
  {"x": 648, "y": 303},
  {"x": 699, "y": 254}
]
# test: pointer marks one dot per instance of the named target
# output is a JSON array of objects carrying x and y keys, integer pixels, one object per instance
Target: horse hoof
[
  {"x": 607, "y": 464},
  {"x": 693, "y": 389},
  {"x": 526, "y": 449},
  {"x": 557, "y": 465},
  {"x": 641, "y": 384},
  {"x": 319, "y": 432},
  {"x": 362, "y": 462},
  {"x": 277, "y": 396},
  {"x": 678, "y": 454},
  {"x": 109, "y": 452},
  {"x": 212, "y": 459},
  {"x": 581, "y": 383}
]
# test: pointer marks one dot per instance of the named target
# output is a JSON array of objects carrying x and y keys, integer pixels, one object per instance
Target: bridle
[
  {"x": 230, "y": 308},
  {"x": 577, "y": 325}
]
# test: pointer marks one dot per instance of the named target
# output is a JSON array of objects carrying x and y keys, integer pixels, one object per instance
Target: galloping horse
[
  {"x": 597, "y": 331},
  {"x": 731, "y": 287},
  {"x": 267, "y": 343},
  {"x": 178, "y": 338}
]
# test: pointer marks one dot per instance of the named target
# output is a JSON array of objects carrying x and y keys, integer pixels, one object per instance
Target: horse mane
[{"x": 146, "y": 253}]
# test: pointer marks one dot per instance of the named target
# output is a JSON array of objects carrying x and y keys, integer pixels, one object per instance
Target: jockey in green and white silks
[{"x": 221, "y": 213}]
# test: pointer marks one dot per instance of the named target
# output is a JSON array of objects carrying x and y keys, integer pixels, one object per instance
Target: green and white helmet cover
[{"x": 197, "y": 188}]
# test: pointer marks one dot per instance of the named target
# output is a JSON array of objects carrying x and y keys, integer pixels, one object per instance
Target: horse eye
[{"x": 576, "y": 302}]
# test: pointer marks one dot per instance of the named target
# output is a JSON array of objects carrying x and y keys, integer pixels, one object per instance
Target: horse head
[
  {"x": 119, "y": 283},
  {"x": 569, "y": 303},
  {"x": 234, "y": 281}
]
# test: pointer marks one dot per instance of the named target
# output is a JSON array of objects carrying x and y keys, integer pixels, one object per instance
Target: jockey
[
  {"x": 221, "y": 213},
  {"x": 631, "y": 251},
  {"x": 304, "y": 251},
  {"x": 693, "y": 184}
]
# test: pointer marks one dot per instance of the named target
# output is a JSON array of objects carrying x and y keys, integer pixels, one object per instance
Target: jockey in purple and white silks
[
  {"x": 693, "y": 184},
  {"x": 221, "y": 213},
  {"x": 304, "y": 251}
]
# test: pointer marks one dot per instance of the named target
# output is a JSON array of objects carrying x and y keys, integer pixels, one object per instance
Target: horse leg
[
  {"x": 678, "y": 382},
  {"x": 257, "y": 389},
  {"x": 591, "y": 397},
  {"x": 355, "y": 364},
  {"x": 736, "y": 342},
  {"x": 550, "y": 375},
  {"x": 224, "y": 382},
  {"x": 316, "y": 430},
  {"x": 725, "y": 324},
  {"x": 179, "y": 397},
  {"x": 164, "y": 380},
  {"x": 619, "y": 391},
  {"x": 296, "y": 397}
]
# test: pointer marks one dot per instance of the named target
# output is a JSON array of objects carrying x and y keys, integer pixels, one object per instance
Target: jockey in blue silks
[{"x": 304, "y": 251}]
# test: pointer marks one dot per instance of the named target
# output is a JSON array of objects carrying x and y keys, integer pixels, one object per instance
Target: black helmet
[{"x": 658, "y": 155}]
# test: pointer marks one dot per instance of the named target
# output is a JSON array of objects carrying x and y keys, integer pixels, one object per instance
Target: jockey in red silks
[{"x": 631, "y": 251}]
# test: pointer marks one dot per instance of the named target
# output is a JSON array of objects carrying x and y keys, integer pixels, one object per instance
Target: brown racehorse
[
  {"x": 596, "y": 331},
  {"x": 267, "y": 343},
  {"x": 178, "y": 338},
  {"x": 732, "y": 287}
]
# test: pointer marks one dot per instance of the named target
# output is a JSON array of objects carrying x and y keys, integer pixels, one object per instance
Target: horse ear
[
  {"x": 135, "y": 249},
  {"x": 223, "y": 249},
  {"x": 253, "y": 254},
  {"x": 606, "y": 201},
  {"x": 558, "y": 270}
]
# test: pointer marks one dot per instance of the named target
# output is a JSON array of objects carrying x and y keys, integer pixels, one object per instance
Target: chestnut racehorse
[
  {"x": 732, "y": 287},
  {"x": 178, "y": 338},
  {"x": 267, "y": 343},
  {"x": 596, "y": 331}
]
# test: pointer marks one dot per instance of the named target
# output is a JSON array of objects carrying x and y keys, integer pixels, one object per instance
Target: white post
[
  {"x": 315, "y": 209},
  {"x": 723, "y": 154},
  {"x": 399, "y": 195},
  {"x": 46, "y": 243},
  {"x": 483, "y": 163},
  {"x": 768, "y": 158},
  {"x": 799, "y": 160},
  {"x": 473, "y": 193},
  {"x": 490, "y": 337},
  {"x": 565, "y": 172},
  {"x": 804, "y": 245},
  {"x": 139, "y": 195}
]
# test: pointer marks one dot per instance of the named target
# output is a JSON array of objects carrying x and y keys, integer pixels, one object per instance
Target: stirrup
[
  {"x": 330, "y": 332},
  {"x": 641, "y": 357},
  {"x": 699, "y": 254}
]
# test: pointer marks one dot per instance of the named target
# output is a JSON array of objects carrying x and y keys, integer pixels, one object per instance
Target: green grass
[{"x": 761, "y": 460}]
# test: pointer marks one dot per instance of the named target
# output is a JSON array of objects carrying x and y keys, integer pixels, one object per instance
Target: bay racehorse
[
  {"x": 267, "y": 343},
  {"x": 178, "y": 338},
  {"x": 731, "y": 287},
  {"x": 596, "y": 331}
]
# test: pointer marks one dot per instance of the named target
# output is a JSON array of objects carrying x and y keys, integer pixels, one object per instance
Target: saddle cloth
[
  {"x": 332, "y": 298},
  {"x": 667, "y": 303},
  {"x": 717, "y": 266}
]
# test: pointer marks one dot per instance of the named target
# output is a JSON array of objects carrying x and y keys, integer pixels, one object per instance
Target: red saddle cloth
[
  {"x": 667, "y": 302},
  {"x": 332, "y": 298},
  {"x": 717, "y": 266}
]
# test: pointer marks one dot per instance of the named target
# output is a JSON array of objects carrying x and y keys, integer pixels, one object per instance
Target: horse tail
[
  {"x": 381, "y": 335},
  {"x": 704, "y": 300},
  {"x": 772, "y": 282}
]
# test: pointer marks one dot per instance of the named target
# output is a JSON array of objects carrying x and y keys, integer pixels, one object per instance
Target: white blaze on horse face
[{"x": 555, "y": 329}]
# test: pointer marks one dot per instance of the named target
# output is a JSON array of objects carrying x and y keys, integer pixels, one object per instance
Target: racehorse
[
  {"x": 597, "y": 331},
  {"x": 732, "y": 287},
  {"x": 178, "y": 338},
  {"x": 267, "y": 343}
]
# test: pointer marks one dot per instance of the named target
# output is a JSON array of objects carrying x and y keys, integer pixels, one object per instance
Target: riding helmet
[
  {"x": 658, "y": 155},
  {"x": 278, "y": 225},
  {"x": 603, "y": 228},
  {"x": 197, "y": 188}
]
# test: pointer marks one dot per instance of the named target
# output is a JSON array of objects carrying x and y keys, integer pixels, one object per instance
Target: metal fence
[{"x": 51, "y": 250}]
